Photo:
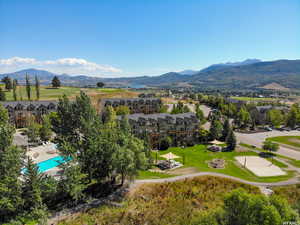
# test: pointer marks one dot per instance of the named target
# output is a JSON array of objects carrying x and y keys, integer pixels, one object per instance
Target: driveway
[{"x": 257, "y": 139}]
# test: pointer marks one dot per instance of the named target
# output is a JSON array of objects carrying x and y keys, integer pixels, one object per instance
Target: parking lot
[{"x": 257, "y": 139}]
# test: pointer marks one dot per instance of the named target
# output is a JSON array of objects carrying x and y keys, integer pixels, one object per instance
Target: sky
[{"x": 114, "y": 38}]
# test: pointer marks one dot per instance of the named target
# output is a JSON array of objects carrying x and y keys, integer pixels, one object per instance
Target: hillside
[
  {"x": 284, "y": 72},
  {"x": 180, "y": 202},
  {"x": 248, "y": 74}
]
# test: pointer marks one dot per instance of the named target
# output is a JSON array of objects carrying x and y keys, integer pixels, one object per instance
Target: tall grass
[{"x": 178, "y": 202}]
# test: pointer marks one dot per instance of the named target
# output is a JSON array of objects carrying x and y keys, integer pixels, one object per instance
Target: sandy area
[{"x": 259, "y": 166}]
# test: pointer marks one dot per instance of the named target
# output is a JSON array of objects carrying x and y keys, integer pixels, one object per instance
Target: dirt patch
[
  {"x": 183, "y": 171},
  {"x": 275, "y": 86}
]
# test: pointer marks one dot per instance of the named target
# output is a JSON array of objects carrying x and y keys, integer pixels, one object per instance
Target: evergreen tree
[
  {"x": 203, "y": 135},
  {"x": 10, "y": 170},
  {"x": 230, "y": 140},
  {"x": 32, "y": 191},
  {"x": 55, "y": 82},
  {"x": 8, "y": 83},
  {"x": 45, "y": 131},
  {"x": 2, "y": 95},
  {"x": 200, "y": 114},
  {"x": 15, "y": 89},
  {"x": 100, "y": 84},
  {"x": 37, "y": 87},
  {"x": 215, "y": 129},
  {"x": 72, "y": 181},
  {"x": 33, "y": 131},
  {"x": 293, "y": 116},
  {"x": 28, "y": 87},
  {"x": 226, "y": 129}
]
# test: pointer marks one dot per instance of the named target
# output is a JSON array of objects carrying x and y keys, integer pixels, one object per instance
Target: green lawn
[
  {"x": 288, "y": 140},
  {"x": 198, "y": 156},
  {"x": 152, "y": 175},
  {"x": 253, "y": 99},
  {"x": 48, "y": 93}
]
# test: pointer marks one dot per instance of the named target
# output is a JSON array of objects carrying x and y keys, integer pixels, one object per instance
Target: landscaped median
[
  {"x": 197, "y": 157},
  {"x": 292, "y": 141}
]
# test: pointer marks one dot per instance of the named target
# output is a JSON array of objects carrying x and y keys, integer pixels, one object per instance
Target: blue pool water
[{"x": 51, "y": 163}]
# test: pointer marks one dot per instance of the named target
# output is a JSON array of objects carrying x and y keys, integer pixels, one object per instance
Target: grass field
[
  {"x": 253, "y": 99},
  {"x": 182, "y": 202},
  {"x": 198, "y": 156},
  {"x": 287, "y": 140},
  {"x": 48, "y": 93}
]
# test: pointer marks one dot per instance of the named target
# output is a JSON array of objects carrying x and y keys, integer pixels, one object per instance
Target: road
[
  {"x": 257, "y": 139},
  {"x": 182, "y": 177}
]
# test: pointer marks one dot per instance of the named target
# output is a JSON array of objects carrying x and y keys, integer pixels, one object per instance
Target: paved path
[
  {"x": 177, "y": 178},
  {"x": 257, "y": 139}
]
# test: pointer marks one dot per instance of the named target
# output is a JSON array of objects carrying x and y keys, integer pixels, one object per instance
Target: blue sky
[{"x": 144, "y": 37}]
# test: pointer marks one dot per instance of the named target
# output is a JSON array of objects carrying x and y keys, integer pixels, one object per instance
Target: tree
[
  {"x": 45, "y": 131},
  {"x": 100, "y": 84},
  {"x": 15, "y": 89},
  {"x": 122, "y": 110},
  {"x": 163, "y": 109},
  {"x": 95, "y": 145},
  {"x": 2, "y": 95},
  {"x": 165, "y": 143},
  {"x": 243, "y": 118},
  {"x": 215, "y": 129},
  {"x": 72, "y": 181},
  {"x": 200, "y": 114},
  {"x": 180, "y": 108},
  {"x": 270, "y": 146},
  {"x": 28, "y": 87},
  {"x": 32, "y": 191},
  {"x": 8, "y": 83},
  {"x": 230, "y": 140},
  {"x": 226, "y": 129},
  {"x": 37, "y": 87},
  {"x": 242, "y": 208},
  {"x": 55, "y": 82},
  {"x": 293, "y": 116},
  {"x": 203, "y": 135},
  {"x": 11, "y": 159},
  {"x": 275, "y": 117},
  {"x": 33, "y": 131}
]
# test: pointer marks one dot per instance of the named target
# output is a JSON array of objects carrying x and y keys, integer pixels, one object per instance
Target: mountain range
[{"x": 249, "y": 74}]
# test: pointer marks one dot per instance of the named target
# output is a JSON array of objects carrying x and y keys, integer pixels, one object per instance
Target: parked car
[{"x": 268, "y": 129}]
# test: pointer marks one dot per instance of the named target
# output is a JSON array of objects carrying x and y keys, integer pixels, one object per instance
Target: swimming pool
[{"x": 51, "y": 163}]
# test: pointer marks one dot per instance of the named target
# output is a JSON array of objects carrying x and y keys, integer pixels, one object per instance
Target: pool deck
[{"x": 42, "y": 152}]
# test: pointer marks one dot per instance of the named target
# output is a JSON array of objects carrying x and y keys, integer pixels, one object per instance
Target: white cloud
[{"x": 72, "y": 66}]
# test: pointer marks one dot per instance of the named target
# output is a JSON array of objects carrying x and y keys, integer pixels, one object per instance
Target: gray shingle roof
[
  {"x": 25, "y": 104},
  {"x": 157, "y": 116}
]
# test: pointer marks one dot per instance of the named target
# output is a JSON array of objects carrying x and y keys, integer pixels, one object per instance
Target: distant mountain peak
[
  {"x": 230, "y": 64},
  {"x": 188, "y": 72},
  {"x": 245, "y": 62}
]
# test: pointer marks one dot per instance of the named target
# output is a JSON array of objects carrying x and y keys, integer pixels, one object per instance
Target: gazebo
[
  {"x": 216, "y": 142},
  {"x": 170, "y": 156}
]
